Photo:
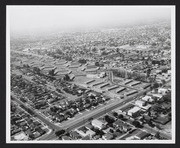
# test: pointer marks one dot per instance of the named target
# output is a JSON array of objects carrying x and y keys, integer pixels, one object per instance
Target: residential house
[{"x": 99, "y": 124}]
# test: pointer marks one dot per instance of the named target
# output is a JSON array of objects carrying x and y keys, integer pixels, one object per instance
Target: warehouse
[
  {"x": 120, "y": 89},
  {"x": 135, "y": 83},
  {"x": 131, "y": 92},
  {"x": 112, "y": 87},
  {"x": 104, "y": 85},
  {"x": 128, "y": 81}
]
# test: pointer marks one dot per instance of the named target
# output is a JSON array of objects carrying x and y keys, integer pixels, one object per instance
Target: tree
[
  {"x": 109, "y": 119},
  {"x": 120, "y": 116},
  {"x": 66, "y": 77},
  {"x": 104, "y": 53},
  {"x": 97, "y": 64},
  {"x": 157, "y": 135},
  {"x": 82, "y": 61},
  {"x": 60, "y": 132},
  {"x": 52, "y": 72},
  {"x": 158, "y": 127},
  {"x": 36, "y": 70},
  {"x": 115, "y": 114},
  {"x": 94, "y": 50},
  {"x": 155, "y": 85},
  {"x": 136, "y": 123}
]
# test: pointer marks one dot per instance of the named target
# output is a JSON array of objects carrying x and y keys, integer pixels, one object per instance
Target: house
[
  {"x": 162, "y": 91},
  {"x": 140, "y": 103},
  {"x": 141, "y": 135},
  {"x": 36, "y": 134},
  {"x": 21, "y": 136},
  {"x": 109, "y": 130},
  {"x": 86, "y": 138},
  {"x": 75, "y": 135},
  {"x": 89, "y": 126},
  {"x": 157, "y": 96},
  {"x": 66, "y": 138},
  {"x": 162, "y": 120},
  {"x": 126, "y": 108},
  {"x": 98, "y": 124},
  {"x": 118, "y": 112},
  {"x": 147, "y": 99},
  {"x": 83, "y": 131},
  {"x": 107, "y": 136},
  {"x": 147, "y": 107},
  {"x": 134, "y": 112},
  {"x": 119, "y": 124}
]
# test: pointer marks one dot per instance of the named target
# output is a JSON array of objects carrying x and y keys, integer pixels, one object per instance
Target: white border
[{"x": 173, "y": 65}]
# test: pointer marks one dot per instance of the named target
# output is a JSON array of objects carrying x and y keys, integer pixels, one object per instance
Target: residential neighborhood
[{"x": 110, "y": 83}]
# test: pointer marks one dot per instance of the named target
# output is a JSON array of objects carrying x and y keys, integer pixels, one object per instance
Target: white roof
[
  {"x": 97, "y": 122},
  {"x": 162, "y": 89},
  {"x": 134, "y": 109},
  {"x": 139, "y": 102},
  {"x": 146, "y": 98},
  {"x": 146, "y": 107},
  {"x": 157, "y": 95},
  {"x": 21, "y": 136}
]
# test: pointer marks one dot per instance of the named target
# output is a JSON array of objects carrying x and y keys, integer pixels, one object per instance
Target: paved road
[
  {"x": 71, "y": 124},
  {"x": 98, "y": 112},
  {"x": 154, "y": 131},
  {"x": 47, "y": 122}
]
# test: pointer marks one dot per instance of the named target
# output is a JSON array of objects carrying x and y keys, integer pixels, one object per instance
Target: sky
[{"x": 27, "y": 19}]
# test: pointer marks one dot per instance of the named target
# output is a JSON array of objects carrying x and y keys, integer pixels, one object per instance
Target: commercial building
[
  {"x": 98, "y": 124},
  {"x": 147, "y": 98},
  {"x": 83, "y": 131},
  {"x": 134, "y": 112}
]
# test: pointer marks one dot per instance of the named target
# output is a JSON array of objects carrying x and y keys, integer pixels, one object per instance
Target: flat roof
[
  {"x": 112, "y": 87},
  {"x": 134, "y": 109},
  {"x": 120, "y": 89},
  {"x": 128, "y": 81},
  {"x": 104, "y": 85},
  {"x": 135, "y": 83},
  {"x": 98, "y": 83},
  {"x": 89, "y": 81}
]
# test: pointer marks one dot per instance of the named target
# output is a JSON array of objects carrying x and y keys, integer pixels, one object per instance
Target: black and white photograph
[{"x": 90, "y": 74}]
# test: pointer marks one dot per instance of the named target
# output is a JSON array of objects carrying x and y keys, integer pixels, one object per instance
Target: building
[
  {"x": 98, "y": 124},
  {"x": 75, "y": 135},
  {"x": 107, "y": 136},
  {"x": 128, "y": 81},
  {"x": 119, "y": 124},
  {"x": 147, "y": 99},
  {"x": 92, "y": 76},
  {"x": 66, "y": 138},
  {"x": 83, "y": 131},
  {"x": 120, "y": 89},
  {"x": 126, "y": 108},
  {"x": 141, "y": 135},
  {"x": 140, "y": 103},
  {"x": 162, "y": 91},
  {"x": 112, "y": 87},
  {"x": 157, "y": 96},
  {"x": 134, "y": 112},
  {"x": 135, "y": 83},
  {"x": 21, "y": 136}
]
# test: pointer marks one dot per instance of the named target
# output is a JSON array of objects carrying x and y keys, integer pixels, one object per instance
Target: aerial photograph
[{"x": 89, "y": 74}]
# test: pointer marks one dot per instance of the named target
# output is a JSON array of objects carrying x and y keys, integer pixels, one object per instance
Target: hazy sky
[{"x": 46, "y": 18}]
